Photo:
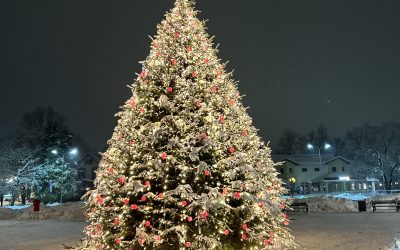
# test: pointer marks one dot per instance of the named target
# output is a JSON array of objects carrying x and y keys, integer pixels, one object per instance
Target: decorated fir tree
[{"x": 185, "y": 167}]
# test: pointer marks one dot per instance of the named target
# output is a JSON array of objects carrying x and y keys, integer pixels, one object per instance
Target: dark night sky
[{"x": 300, "y": 63}]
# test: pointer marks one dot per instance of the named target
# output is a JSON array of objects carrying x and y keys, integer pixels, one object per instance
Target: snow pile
[
  {"x": 330, "y": 204},
  {"x": 17, "y": 207},
  {"x": 7, "y": 214},
  {"x": 53, "y": 204},
  {"x": 70, "y": 211},
  {"x": 352, "y": 196}
]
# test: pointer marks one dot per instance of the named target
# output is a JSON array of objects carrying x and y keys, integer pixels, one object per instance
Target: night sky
[{"x": 300, "y": 63}]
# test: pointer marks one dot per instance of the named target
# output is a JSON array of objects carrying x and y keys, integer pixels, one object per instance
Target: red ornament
[
  {"x": 231, "y": 150},
  {"x": 143, "y": 74},
  {"x": 286, "y": 222},
  {"x": 245, "y": 226},
  {"x": 282, "y": 206},
  {"x": 173, "y": 61},
  {"x": 190, "y": 218},
  {"x": 126, "y": 201},
  {"x": 121, "y": 180},
  {"x": 163, "y": 156},
  {"x": 134, "y": 207},
  {"x": 141, "y": 241},
  {"x": 184, "y": 203},
  {"x": 261, "y": 204},
  {"x": 266, "y": 242},
  {"x": 116, "y": 221},
  {"x": 206, "y": 60},
  {"x": 222, "y": 119},
  {"x": 198, "y": 104},
  {"x": 236, "y": 195},
  {"x": 158, "y": 237},
  {"x": 194, "y": 74},
  {"x": 224, "y": 191},
  {"x": 100, "y": 200},
  {"x": 284, "y": 216},
  {"x": 214, "y": 89},
  {"x": 226, "y": 232},
  {"x": 117, "y": 240},
  {"x": 141, "y": 109},
  {"x": 110, "y": 170},
  {"x": 147, "y": 223},
  {"x": 206, "y": 172},
  {"x": 144, "y": 198},
  {"x": 245, "y": 132},
  {"x": 188, "y": 244},
  {"x": 177, "y": 35},
  {"x": 132, "y": 142},
  {"x": 204, "y": 215},
  {"x": 147, "y": 183},
  {"x": 158, "y": 53},
  {"x": 132, "y": 102},
  {"x": 160, "y": 196},
  {"x": 169, "y": 89},
  {"x": 244, "y": 236},
  {"x": 231, "y": 102},
  {"x": 190, "y": 49}
]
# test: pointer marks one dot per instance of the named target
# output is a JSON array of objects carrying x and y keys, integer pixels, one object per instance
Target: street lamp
[
  {"x": 326, "y": 147},
  {"x": 72, "y": 152}
]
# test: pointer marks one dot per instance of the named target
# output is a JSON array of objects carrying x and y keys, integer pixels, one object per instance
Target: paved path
[
  {"x": 341, "y": 231},
  {"x": 39, "y": 235},
  {"x": 346, "y": 231}
]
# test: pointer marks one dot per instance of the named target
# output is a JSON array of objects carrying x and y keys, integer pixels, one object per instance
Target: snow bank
[
  {"x": 70, "y": 211},
  {"x": 352, "y": 196},
  {"x": 17, "y": 207},
  {"x": 53, "y": 204}
]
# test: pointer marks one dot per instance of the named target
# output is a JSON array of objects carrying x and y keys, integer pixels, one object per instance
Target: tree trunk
[{"x": 23, "y": 195}]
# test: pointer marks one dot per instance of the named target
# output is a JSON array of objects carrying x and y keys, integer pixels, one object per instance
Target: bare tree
[
  {"x": 377, "y": 151},
  {"x": 318, "y": 138},
  {"x": 17, "y": 170},
  {"x": 287, "y": 142}
]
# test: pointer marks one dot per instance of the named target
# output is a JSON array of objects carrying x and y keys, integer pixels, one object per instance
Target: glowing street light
[
  {"x": 326, "y": 147},
  {"x": 72, "y": 152}
]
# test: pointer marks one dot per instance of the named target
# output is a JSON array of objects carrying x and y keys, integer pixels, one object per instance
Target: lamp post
[
  {"x": 326, "y": 147},
  {"x": 72, "y": 152},
  {"x": 292, "y": 182}
]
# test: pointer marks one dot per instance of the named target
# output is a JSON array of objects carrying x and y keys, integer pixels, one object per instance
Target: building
[
  {"x": 87, "y": 166},
  {"x": 325, "y": 173}
]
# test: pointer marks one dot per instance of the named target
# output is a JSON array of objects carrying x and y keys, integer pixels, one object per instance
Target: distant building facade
[
  {"x": 326, "y": 174},
  {"x": 87, "y": 166}
]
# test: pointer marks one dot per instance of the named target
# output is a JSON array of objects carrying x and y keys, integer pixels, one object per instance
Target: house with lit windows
[{"x": 315, "y": 173}]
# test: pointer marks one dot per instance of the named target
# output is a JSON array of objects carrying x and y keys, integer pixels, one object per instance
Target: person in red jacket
[{"x": 36, "y": 208}]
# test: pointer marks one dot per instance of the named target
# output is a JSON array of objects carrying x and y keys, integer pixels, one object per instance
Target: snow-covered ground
[
  {"x": 17, "y": 207},
  {"x": 354, "y": 196}
]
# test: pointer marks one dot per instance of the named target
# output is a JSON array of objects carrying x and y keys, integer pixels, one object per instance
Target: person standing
[
  {"x": 36, "y": 208},
  {"x": 1, "y": 199}
]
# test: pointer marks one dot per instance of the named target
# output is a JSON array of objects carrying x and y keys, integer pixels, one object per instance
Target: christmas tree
[{"x": 185, "y": 167}]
